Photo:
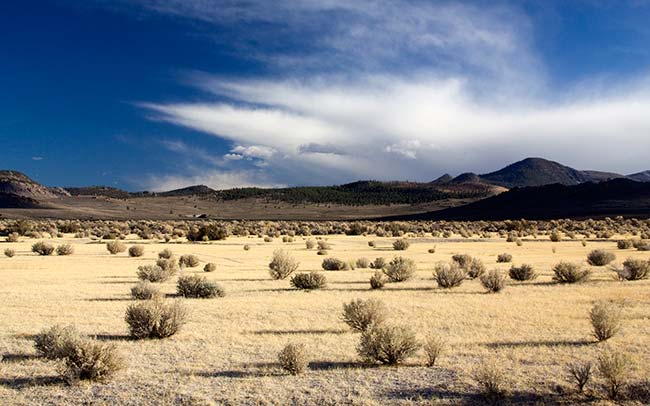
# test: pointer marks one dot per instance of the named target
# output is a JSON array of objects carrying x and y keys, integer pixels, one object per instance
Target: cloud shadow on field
[
  {"x": 285, "y": 332},
  {"x": 546, "y": 343},
  {"x": 18, "y": 357},
  {"x": 18, "y": 383}
]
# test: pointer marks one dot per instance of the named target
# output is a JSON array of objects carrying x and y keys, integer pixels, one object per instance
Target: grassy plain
[{"x": 227, "y": 353}]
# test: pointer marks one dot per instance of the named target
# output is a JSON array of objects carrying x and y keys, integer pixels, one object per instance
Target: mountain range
[{"x": 517, "y": 188}]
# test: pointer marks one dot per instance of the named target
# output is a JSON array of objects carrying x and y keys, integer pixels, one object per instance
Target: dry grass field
[{"x": 227, "y": 352}]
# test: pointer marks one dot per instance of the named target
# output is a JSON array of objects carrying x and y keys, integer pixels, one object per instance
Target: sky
[{"x": 163, "y": 94}]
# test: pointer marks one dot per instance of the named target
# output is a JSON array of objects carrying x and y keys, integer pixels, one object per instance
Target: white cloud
[
  {"x": 212, "y": 178},
  {"x": 254, "y": 151},
  {"x": 37, "y": 158}
]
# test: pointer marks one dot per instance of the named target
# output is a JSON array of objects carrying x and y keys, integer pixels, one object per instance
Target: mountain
[
  {"x": 19, "y": 184},
  {"x": 640, "y": 177},
  {"x": 539, "y": 171},
  {"x": 616, "y": 197},
  {"x": 98, "y": 191},
  {"x": 198, "y": 190}
]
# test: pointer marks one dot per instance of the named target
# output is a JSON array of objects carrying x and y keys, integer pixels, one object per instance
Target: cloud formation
[{"x": 401, "y": 89}]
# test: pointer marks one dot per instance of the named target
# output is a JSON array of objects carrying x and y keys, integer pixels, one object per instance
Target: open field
[{"x": 227, "y": 353}]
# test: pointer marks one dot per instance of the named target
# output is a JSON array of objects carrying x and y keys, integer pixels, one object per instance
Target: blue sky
[{"x": 158, "y": 94}]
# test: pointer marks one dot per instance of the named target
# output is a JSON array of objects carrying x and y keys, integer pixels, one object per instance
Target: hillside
[
  {"x": 539, "y": 171},
  {"x": 615, "y": 197},
  {"x": 19, "y": 184},
  {"x": 640, "y": 177}
]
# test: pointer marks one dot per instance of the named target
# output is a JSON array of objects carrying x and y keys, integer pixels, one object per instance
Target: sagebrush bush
[
  {"x": 633, "y": 270},
  {"x": 401, "y": 244},
  {"x": 188, "y": 261},
  {"x": 91, "y": 360},
  {"x": 155, "y": 273},
  {"x": 359, "y": 314},
  {"x": 521, "y": 273},
  {"x": 293, "y": 358},
  {"x": 474, "y": 268},
  {"x": 210, "y": 267},
  {"x": 378, "y": 263},
  {"x": 166, "y": 254},
  {"x": 136, "y": 251},
  {"x": 334, "y": 264},
  {"x": 155, "y": 318},
  {"x": 115, "y": 247},
  {"x": 387, "y": 344},
  {"x": 600, "y": 257},
  {"x": 209, "y": 232},
  {"x": 10, "y": 252},
  {"x": 282, "y": 265},
  {"x": 461, "y": 259},
  {"x": 43, "y": 248},
  {"x": 567, "y": 272},
  {"x": 624, "y": 244},
  {"x": 377, "y": 280},
  {"x": 363, "y": 263},
  {"x": 580, "y": 373},
  {"x": 491, "y": 380},
  {"x": 196, "y": 286},
  {"x": 309, "y": 244},
  {"x": 145, "y": 290},
  {"x": 309, "y": 281},
  {"x": 615, "y": 367},
  {"x": 323, "y": 245},
  {"x": 555, "y": 236},
  {"x": 504, "y": 258},
  {"x": 400, "y": 269},
  {"x": 448, "y": 275},
  {"x": 64, "y": 249},
  {"x": 433, "y": 347},
  {"x": 13, "y": 237},
  {"x": 493, "y": 281},
  {"x": 605, "y": 319},
  {"x": 247, "y": 247},
  {"x": 54, "y": 342}
]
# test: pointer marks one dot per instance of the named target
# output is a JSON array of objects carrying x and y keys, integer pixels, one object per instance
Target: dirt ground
[{"x": 227, "y": 353}]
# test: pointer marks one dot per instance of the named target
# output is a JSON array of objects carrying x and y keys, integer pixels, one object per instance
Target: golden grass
[{"x": 227, "y": 353}]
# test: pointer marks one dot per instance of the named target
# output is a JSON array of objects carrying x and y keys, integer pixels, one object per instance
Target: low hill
[
  {"x": 19, "y": 184},
  {"x": 615, "y": 197},
  {"x": 640, "y": 177},
  {"x": 98, "y": 191},
  {"x": 539, "y": 172}
]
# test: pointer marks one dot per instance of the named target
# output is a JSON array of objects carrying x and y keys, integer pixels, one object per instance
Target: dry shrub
[
  {"x": 10, "y": 252},
  {"x": 334, "y": 264},
  {"x": 461, "y": 259},
  {"x": 378, "y": 263},
  {"x": 433, "y": 347},
  {"x": 64, "y": 249},
  {"x": 400, "y": 269},
  {"x": 155, "y": 318},
  {"x": 13, "y": 237},
  {"x": 377, "y": 280},
  {"x": 196, "y": 286},
  {"x": 247, "y": 247},
  {"x": 136, "y": 251},
  {"x": 624, "y": 244},
  {"x": 633, "y": 270},
  {"x": 43, "y": 248},
  {"x": 210, "y": 267},
  {"x": 155, "y": 273},
  {"x": 145, "y": 290},
  {"x": 580, "y": 373},
  {"x": 493, "y": 281},
  {"x": 474, "y": 268},
  {"x": 448, "y": 275},
  {"x": 282, "y": 265},
  {"x": 323, "y": 245},
  {"x": 188, "y": 261},
  {"x": 363, "y": 263},
  {"x": 115, "y": 247},
  {"x": 91, "y": 360},
  {"x": 491, "y": 379},
  {"x": 293, "y": 358},
  {"x": 556, "y": 236},
  {"x": 614, "y": 367},
  {"x": 521, "y": 273},
  {"x": 401, "y": 244},
  {"x": 359, "y": 314},
  {"x": 567, "y": 272},
  {"x": 309, "y": 244},
  {"x": 387, "y": 344},
  {"x": 166, "y": 254},
  {"x": 600, "y": 257},
  {"x": 53, "y": 343},
  {"x": 309, "y": 281},
  {"x": 605, "y": 319},
  {"x": 504, "y": 258}
]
